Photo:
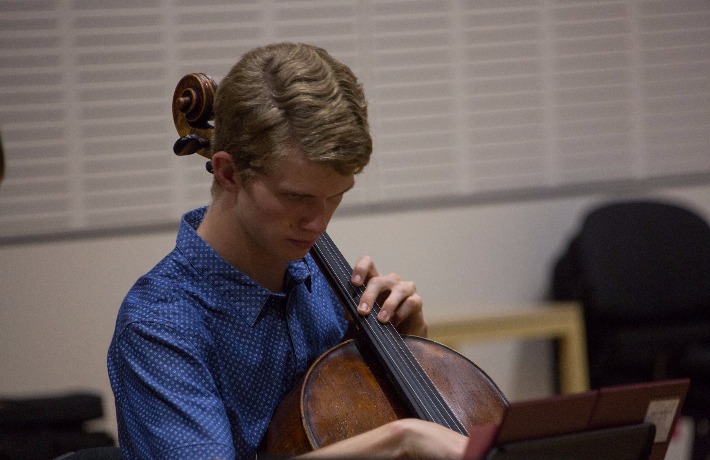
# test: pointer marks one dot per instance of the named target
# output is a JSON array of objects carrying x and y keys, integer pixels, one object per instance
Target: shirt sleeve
[{"x": 167, "y": 403}]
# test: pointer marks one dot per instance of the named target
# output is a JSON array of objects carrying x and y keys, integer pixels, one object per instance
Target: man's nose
[{"x": 317, "y": 219}]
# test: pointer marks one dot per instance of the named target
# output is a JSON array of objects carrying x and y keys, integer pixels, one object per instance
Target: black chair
[
  {"x": 95, "y": 453},
  {"x": 41, "y": 427},
  {"x": 641, "y": 270}
]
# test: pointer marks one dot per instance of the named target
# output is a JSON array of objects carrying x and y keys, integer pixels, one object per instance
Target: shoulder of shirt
[{"x": 160, "y": 295}]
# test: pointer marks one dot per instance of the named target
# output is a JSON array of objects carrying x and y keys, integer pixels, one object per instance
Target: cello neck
[{"x": 384, "y": 342}]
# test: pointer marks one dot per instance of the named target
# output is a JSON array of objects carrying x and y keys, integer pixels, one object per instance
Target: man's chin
[{"x": 293, "y": 254}]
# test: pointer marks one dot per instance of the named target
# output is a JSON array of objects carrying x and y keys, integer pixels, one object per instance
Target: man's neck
[{"x": 230, "y": 246}]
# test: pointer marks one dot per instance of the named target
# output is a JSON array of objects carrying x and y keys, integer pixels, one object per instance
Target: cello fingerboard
[{"x": 386, "y": 344}]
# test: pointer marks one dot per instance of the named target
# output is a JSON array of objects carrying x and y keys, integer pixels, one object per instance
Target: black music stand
[
  {"x": 627, "y": 422},
  {"x": 630, "y": 442}
]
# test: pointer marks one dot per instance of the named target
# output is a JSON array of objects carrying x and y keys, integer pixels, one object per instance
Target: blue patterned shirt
[{"x": 202, "y": 355}]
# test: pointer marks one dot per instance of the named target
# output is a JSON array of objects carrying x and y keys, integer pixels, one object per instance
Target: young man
[{"x": 209, "y": 342}]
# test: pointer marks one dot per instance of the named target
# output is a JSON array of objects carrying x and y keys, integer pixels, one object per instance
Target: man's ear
[{"x": 224, "y": 171}]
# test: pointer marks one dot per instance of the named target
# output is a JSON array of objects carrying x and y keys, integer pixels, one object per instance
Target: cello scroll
[{"x": 192, "y": 114}]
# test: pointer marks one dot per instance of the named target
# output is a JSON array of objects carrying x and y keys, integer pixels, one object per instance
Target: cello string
[
  {"x": 342, "y": 272},
  {"x": 411, "y": 365},
  {"x": 406, "y": 363},
  {"x": 390, "y": 334}
]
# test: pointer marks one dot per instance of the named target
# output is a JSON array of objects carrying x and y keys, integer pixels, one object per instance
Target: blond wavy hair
[{"x": 285, "y": 96}]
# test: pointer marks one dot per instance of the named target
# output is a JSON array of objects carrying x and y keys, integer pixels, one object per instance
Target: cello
[{"x": 365, "y": 382}]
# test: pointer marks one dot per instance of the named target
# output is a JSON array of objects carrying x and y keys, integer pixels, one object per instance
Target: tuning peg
[{"x": 187, "y": 145}]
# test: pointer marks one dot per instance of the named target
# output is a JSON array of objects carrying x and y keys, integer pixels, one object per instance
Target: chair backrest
[
  {"x": 640, "y": 261},
  {"x": 94, "y": 453}
]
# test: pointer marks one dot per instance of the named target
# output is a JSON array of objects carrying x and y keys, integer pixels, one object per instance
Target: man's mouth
[{"x": 303, "y": 244}]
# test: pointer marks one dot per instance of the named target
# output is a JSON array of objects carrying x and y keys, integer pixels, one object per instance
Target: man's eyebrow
[
  {"x": 306, "y": 195},
  {"x": 346, "y": 190},
  {"x": 337, "y": 194}
]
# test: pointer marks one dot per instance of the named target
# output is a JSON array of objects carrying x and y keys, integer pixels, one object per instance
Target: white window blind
[{"x": 467, "y": 98}]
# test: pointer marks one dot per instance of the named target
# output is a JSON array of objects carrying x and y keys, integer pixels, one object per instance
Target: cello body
[{"x": 343, "y": 395}]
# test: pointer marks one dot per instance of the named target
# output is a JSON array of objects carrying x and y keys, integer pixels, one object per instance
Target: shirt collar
[{"x": 242, "y": 294}]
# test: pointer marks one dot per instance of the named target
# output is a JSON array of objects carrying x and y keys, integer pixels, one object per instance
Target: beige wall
[{"x": 59, "y": 299}]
